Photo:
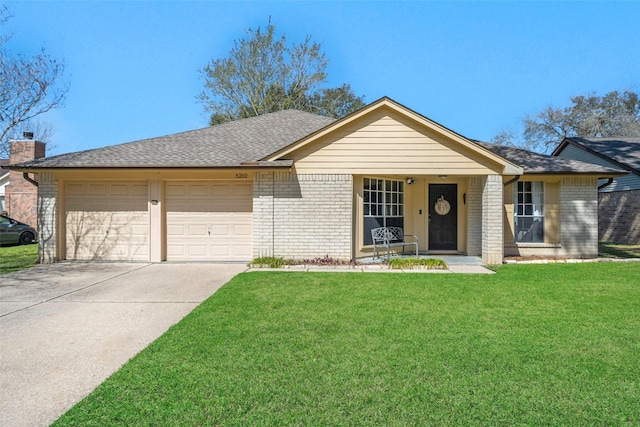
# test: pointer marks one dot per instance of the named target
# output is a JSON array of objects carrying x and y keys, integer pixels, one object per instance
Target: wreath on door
[{"x": 442, "y": 207}]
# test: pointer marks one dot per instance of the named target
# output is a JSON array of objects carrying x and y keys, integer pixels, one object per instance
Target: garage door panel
[
  {"x": 96, "y": 189},
  {"x": 107, "y": 221},
  {"x": 197, "y": 231},
  {"x": 221, "y": 230},
  {"x": 243, "y": 190},
  {"x": 209, "y": 221},
  {"x": 242, "y": 230}
]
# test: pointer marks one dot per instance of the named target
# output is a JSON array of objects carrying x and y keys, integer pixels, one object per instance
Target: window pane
[
  {"x": 529, "y": 212},
  {"x": 382, "y": 204}
]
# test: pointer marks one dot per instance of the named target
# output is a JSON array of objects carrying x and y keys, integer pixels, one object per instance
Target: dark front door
[{"x": 443, "y": 217}]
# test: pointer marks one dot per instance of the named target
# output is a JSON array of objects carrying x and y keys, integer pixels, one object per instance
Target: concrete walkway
[{"x": 64, "y": 328}]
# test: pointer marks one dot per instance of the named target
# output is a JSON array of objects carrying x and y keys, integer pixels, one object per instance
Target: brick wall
[
  {"x": 21, "y": 196},
  {"x": 619, "y": 217},
  {"x": 492, "y": 216},
  {"x": 47, "y": 218},
  {"x": 579, "y": 217},
  {"x": 302, "y": 216}
]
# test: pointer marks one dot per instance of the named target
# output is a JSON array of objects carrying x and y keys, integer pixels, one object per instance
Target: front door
[{"x": 443, "y": 217}]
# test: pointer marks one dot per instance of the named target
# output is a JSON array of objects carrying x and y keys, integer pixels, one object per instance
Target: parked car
[{"x": 15, "y": 232}]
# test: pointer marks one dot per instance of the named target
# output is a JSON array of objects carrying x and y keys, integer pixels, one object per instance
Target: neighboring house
[
  {"x": 4, "y": 181},
  {"x": 296, "y": 185},
  {"x": 618, "y": 200},
  {"x": 19, "y": 196}
]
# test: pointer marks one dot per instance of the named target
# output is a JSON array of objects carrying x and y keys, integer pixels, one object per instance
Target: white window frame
[
  {"x": 383, "y": 198},
  {"x": 529, "y": 216}
]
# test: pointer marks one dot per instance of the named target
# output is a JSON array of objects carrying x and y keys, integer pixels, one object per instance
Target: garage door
[
  {"x": 209, "y": 221},
  {"x": 107, "y": 220}
]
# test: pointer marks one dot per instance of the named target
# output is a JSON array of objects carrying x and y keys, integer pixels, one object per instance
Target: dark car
[{"x": 15, "y": 232}]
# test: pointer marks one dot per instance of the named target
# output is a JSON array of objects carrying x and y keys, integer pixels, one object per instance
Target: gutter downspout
[
  {"x": 511, "y": 181},
  {"x": 25, "y": 175},
  {"x": 606, "y": 184}
]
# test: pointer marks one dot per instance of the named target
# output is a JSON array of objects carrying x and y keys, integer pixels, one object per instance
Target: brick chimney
[{"x": 21, "y": 196}]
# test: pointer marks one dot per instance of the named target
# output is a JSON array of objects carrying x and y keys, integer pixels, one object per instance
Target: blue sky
[{"x": 475, "y": 67}]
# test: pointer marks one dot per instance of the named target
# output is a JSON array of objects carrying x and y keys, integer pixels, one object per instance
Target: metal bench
[{"x": 391, "y": 237}]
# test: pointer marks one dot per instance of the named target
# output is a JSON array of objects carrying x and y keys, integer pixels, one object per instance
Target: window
[
  {"x": 529, "y": 212},
  {"x": 383, "y": 205}
]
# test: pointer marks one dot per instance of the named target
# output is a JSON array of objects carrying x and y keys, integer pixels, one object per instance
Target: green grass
[
  {"x": 618, "y": 250},
  {"x": 531, "y": 345},
  {"x": 14, "y": 258}
]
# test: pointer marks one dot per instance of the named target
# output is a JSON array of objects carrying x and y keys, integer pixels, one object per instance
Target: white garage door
[
  {"x": 107, "y": 220},
  {"x": 209, "y": 221}
]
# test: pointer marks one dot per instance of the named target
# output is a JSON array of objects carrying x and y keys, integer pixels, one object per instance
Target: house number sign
[{"x": 442, "y": 207}]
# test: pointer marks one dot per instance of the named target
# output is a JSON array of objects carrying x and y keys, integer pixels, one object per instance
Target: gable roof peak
[{"x": 623, "y": 151}]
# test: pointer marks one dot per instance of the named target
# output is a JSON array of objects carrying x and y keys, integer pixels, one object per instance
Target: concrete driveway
[{"x": 64, "y": 328}]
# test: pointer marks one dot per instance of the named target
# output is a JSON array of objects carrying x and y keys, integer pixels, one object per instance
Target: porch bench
[{"x": 391, "y": 237}]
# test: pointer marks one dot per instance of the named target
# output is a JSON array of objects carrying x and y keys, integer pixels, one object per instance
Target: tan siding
[
  {"x": 388, "y": 144},
  {"x": 552, "y": 212},
  {"x": 508, "y": 214}
]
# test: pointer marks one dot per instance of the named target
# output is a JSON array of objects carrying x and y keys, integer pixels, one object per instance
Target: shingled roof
[
  {"x": 535, "y": 163},
  {"x": 243, "y": 143},
  {"x": 624, "y": 151},
  {"x": 233, "y": 144}
]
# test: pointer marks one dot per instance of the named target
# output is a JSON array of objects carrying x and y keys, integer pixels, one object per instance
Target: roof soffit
[{"x": 363, "y": 117}]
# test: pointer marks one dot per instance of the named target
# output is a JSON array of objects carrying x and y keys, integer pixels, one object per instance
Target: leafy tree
[
  {"x": 29, "y": 87},
  {"x": 616, "y": 114},
  {"x": 263, "y": 73}
]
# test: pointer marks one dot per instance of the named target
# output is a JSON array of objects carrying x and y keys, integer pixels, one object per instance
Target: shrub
[
  {"x": 428, "y": 263},
  {"x": 327, "y": 260},
  {"x": 268, "y": 262}
]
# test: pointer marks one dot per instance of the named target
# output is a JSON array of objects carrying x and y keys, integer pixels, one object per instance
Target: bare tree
[
  {"x": 616, "y": 114},
  {"x": 29, "y": 87}
]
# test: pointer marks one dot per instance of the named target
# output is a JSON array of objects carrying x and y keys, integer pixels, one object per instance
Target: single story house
[
  {"x": 296, "y": 185},
  {"x": 618, "y": 199}
]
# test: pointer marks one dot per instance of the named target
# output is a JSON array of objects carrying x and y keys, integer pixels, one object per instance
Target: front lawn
[
  {"x": 531, "y": 345},
  {"x": 14, "y": 258}
]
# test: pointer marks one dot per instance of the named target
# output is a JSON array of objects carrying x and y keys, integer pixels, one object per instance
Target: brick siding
[
  {"x": 492, "y": 216},
  {"x": 21, "y": 196},
  {"x": 619, "y": 217},
  {"x": 579, "y": 217},
  {"x": 47, "y": 218},
  {"x": 302, "y": 216}
]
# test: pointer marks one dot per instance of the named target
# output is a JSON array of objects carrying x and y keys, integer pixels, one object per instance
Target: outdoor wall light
[
  {"x": 442, "y": 176},
  {"x": 410, "y": 181},
  {"x": 154, "y": 202}
]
